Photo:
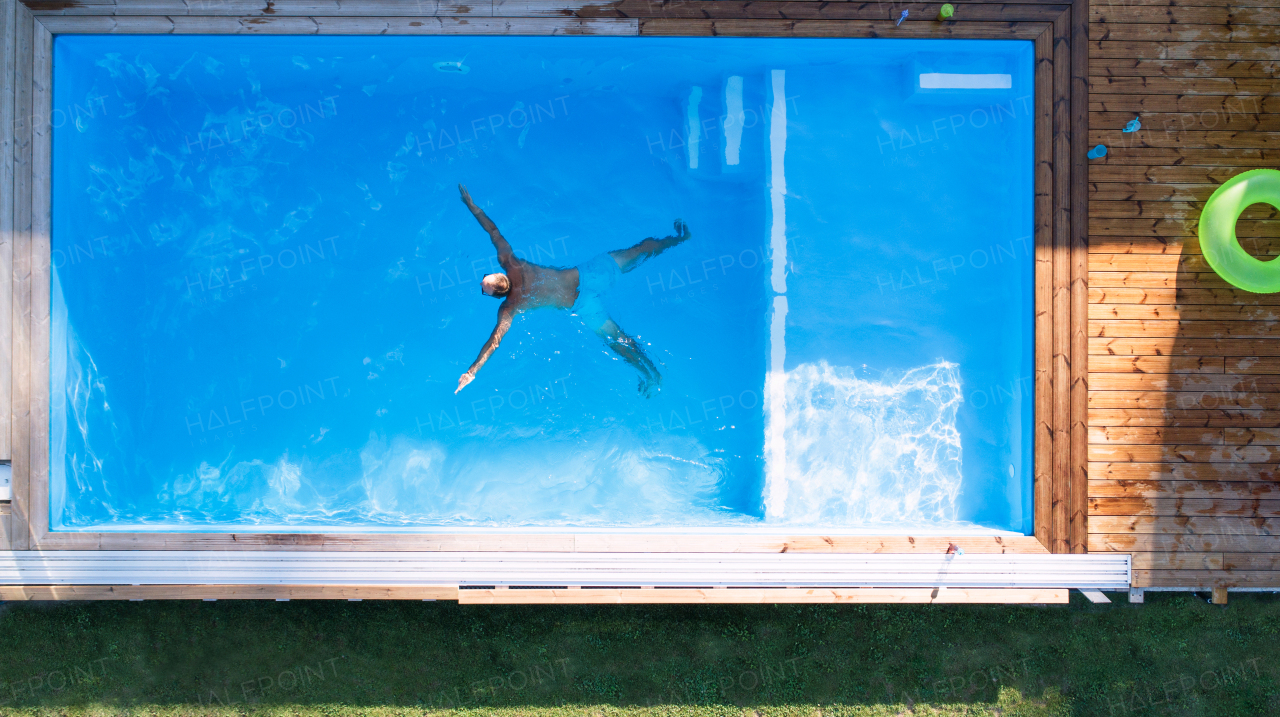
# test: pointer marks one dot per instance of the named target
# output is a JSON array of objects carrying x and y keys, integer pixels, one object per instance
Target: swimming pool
[{"x": 265, "y": 285}]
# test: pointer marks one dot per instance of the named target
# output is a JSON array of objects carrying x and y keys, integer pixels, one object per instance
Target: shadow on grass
[{"x": 1174, "y": 655}]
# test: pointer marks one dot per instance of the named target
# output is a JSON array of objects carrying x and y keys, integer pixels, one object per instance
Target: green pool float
[{"x": 1218, "y": 231}]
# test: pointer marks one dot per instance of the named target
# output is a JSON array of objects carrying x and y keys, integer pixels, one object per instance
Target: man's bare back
[{"x": 525, "y": 286}]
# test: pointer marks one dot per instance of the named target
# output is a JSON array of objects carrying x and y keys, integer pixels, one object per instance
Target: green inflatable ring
[{"x": 1218, "y": 231}]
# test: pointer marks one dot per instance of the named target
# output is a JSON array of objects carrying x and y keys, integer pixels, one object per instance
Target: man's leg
[
  {"x": 626, "y": 347},
  {"x": 632, "y": 257}
]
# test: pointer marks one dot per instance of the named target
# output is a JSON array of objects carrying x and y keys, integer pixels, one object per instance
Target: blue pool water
[{"x": 265, "y": 286}]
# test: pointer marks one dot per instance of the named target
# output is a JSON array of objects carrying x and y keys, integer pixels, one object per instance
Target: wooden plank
[
  {"x": 1179, "y": 15},
  {"x": 588, "y": 542},
  {"x": 20, "y": 317},
  {"x": 1126, "y": 67},
  {"x": 1168, "y": 280},
  {"x": 323, "y": 8},
  {"x": 1179, "y": 489},
  {"x": 1191, "y": 453},
  {"x": 1257, "y": 246},
  {"x": 1181, "y": 312},
  {"x": 1173, "y": 346},
  {"x": 1172, "y": 542},
  {"x": 1127, "y": 435},
  {"x": 603, "y": 542},
  {"x": 1188, "y": 174},
  {"x": 1249, "y": 561},
  {"x": 1155, "y": 280},
  {"x": 1146, "y": 32},
  {"x": 307, "y": 541},
  {"x": 427, "y": 8},
  {"x": 592, "y": 596},
  {"x": 1168, "y": 227},
  {"x": 339, "y": 25},
  {"x": 1062, "y": 245},
  {"x": 1185, "y": 329},
  {"x": 1184, "y": 157},
  {"x": 1252, "y": 436},
  {"x": 842, "y": 28},
  {"x": 1148, "y": 262},
  {"x": 1255, "y": 236},
  {"x": 1173, "y": 136},
  {"x": 1173, "y": 210},
  {"x": 1080, "y": 209},
  {"x": 1180, "y": 471},
  {"x": 1207, "y": 110},
  {"x": 1225, "y": 86},
  {"x": 1156, "y": 364},
  {"x": 1042, "y": 463},
  {"x": 8, "y": 47},
  {"x": 1186, "y": 525},
  {"x": 1143, "y": 254},
  {"x": 1184, "y": 296},
  {"x": 41, "y": 203},
  {"x": 1252, "y": 365},
  {"x": 228, "y": 592},
  {"x": 1202, "y": 507},
  {"x": 1103, "y": 191},
  {"x": 1178, "y": 561},
  {"x": 1185, "y": 400},
  {"x": 1194, "y": 3},
  {"x": 1238, "y": 384},
  {"x": 1174, "y": 50},
  {"x": 1181, "y": 121},
  {"x": 1181, "y": 418},
  {"x": 793, "y": 10},
  {"x": 1191, "y": 3},
  {"x": 1206, "y": 579}
]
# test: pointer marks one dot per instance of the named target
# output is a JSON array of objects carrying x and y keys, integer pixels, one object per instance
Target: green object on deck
[
  {"x": 946, "y": 11},
  {"x": 1218, "y": 231}
]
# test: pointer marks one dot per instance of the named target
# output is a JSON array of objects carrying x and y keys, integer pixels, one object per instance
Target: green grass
[{"x": 1176, "y": 655}]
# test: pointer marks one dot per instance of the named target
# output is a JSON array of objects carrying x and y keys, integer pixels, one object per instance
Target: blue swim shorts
[{"x": 595, "y": 277}]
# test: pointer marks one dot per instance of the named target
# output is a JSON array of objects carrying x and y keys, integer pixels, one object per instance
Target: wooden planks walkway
[{"x": 1184, "y": 400}]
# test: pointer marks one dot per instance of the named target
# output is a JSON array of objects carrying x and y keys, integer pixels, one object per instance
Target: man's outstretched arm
[
  {"x": 505, "y": 254},
  {"x": 505, "y": 313}
]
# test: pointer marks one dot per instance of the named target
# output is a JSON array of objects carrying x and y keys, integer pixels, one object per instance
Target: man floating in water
[{"x": 527, "y": 286}]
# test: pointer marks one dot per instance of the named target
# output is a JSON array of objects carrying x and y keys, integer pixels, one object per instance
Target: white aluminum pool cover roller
[{"x": 1108, "y": 571}]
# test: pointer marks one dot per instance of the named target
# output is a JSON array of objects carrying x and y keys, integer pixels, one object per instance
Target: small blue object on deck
[
  {"x": 901, "y": 17},
  {"x": 1133, "y": 126},
  {"x": 1098, "y": 152}
]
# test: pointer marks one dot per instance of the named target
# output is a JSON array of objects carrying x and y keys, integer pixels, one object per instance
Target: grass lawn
[{"x": 1175, "y": 655}]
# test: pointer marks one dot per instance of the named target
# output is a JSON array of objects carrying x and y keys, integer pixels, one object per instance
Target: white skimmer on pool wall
[{"x": 266, "y": 284}]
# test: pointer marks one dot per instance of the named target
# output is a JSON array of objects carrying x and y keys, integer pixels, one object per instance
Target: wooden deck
[
  {"x": 1184, "y": 372},
  {"x": 1177, "y": 461}
]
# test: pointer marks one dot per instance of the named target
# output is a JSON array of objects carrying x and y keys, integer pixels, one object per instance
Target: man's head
[{"x": 495, "y": 285}]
